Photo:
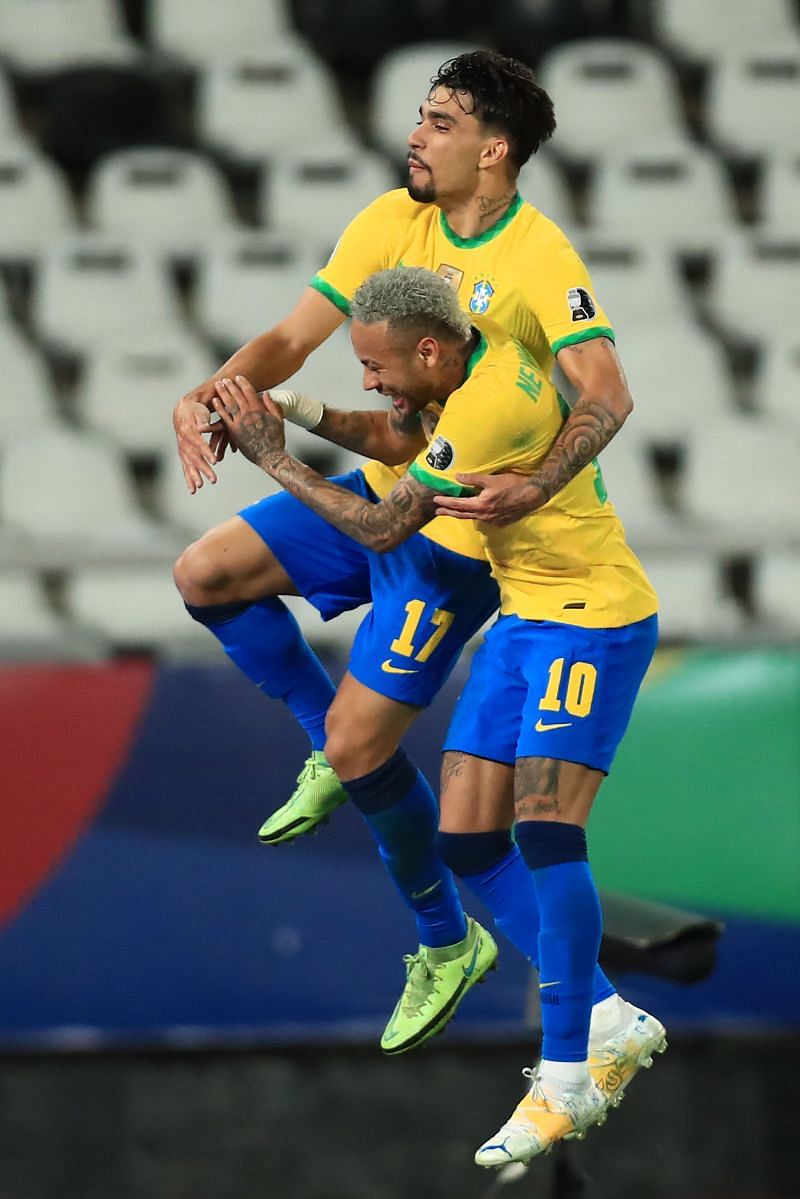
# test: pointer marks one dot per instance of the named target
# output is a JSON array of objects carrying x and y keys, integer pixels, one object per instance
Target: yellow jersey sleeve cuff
[
  {"x": 583, "y": 335},
  {"x": 436, "y": 482},
  {"x": 330, "y": 293}
]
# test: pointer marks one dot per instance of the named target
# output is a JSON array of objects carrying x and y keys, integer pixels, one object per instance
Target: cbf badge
[{"x": 481, "y": 297}]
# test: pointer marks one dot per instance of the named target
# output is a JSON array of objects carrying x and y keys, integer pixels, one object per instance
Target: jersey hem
[{"x": 330, "y": 293}]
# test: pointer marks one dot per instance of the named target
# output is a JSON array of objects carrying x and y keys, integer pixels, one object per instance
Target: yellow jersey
[
  {"x": 523, "y": 273},
  {"x": 568, "y": 561}
]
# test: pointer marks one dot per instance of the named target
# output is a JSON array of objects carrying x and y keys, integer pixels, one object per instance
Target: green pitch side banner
[{"x": 703, "y": 803}]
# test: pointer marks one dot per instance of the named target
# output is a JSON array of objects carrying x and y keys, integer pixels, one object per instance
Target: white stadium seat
[
  {"x": 35, "y": 203},
  {"x": 632, "y": 485},
  {"x": 678, "y": 378},
  {"x": 131, "y": 385},
  {"x": 47, "y": 35},
  {"x": 31, "y": 628},
  {"x": 89, "y": 288},
  {"x": 11, "y": 132},
  {"x": 751, "y": 285},
  {"x": 753, "y": 100},
  {"x": 239, "y": 483},
  {"x": 400, "y": 84},
  {"x": 252, "y": 106},
  {"x": 742, "y": 481},
  {"x": 316, "y": 193},
  {"x": 249, "y": 280},
  {"x": 692, "y": 600},
  {"x": 713, "y": 30},
  {"x": 635, "y": 283},
  {"x": 25, "y": 378},
  {"x": 779, "y": 214},
  {"x": 777, "y": 385},
  {"x": 204, "y": 31},
  {"x": 172, "y": 201},
  {"x": 604, "y": 90},
  {"x": 776, "y": 587},
  {"x": 136, "y": 608},
  {"x": 540, "y": 183},
  {"x": 71, "y": 490},
  {"x": 675, "y": 196}
]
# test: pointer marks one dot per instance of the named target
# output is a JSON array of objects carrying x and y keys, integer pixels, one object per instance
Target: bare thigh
[
  {"x": 549, "y": 789},
  {"x": 230, "y": 564},
  {"x": 364, "y": 728},
  {"x": 476, "y": 794}
]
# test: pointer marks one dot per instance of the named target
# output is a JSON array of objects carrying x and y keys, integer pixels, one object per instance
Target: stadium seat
[
  {"x": 51, "y": 34},
  {"x": 693, "y": 602},
  {"x": 136, "y": 608},
  {"x": 71, "y": 491},
  {"x": 605, "y": 90},
  {"x": 741, "y": 482},
  {"x": 711, "y": 31},
  {"x": 171, "y": 201},
  {"x": 751, "y": 283},
  {"x": 779, "y": 214},
  {"x": 25, "y": 377},
  {"x": 89, "y": 288},
  {"x": 631, "y": 481},
  {"x": 541, "y": 184},
  {"x": 30, "y": 628},
  {"x": 776, "y": 587},
  {"x": 753, "y": 98},
  {"x": 400, "y": 84},
  {"x": 239, "y": 483},
  {"x": 316, "y": 194},
  {"x": 35, "y": 203},
  {"x": 648, "y": 192},
  {"x": 11, "y": 132},
  {"x": 248, "y": 280},
  {"x": 252, "y": 106},
  {"x": 199, "y": 32},
  {"x": 679, "y": 378},
  {"x": 131, "y": 385},
  {"x": 777, "y": 385},
  {"x": 635, "y": 283}
]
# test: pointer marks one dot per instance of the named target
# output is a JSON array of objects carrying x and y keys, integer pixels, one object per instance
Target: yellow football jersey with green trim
[
  {"x": 568, "y": 561},
  {"x": 523, "y": 273}
]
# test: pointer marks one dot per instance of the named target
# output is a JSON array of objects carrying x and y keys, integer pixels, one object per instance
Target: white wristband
[{"x": 299, "y": 409}]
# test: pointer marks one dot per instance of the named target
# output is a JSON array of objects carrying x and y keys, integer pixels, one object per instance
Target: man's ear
[
  {"x": 494, "y": 152},
  {"x": 428, "y": 350}
]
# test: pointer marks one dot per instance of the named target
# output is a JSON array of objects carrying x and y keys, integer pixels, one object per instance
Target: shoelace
[{"x": 418, "y": 975}]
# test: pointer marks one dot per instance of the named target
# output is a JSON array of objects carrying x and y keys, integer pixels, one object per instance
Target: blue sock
[
  {"x": 265, "y": 642},
  {"x": 401, "y": 811},
  {"x": 493, "y": 868},
  {"x": 571, "y": 925}
]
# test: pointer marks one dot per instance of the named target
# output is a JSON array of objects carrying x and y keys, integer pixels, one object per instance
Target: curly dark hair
[{"x": 504, "y": 94}]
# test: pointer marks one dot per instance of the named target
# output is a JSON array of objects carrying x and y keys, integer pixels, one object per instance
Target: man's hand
[
  {"x": 252, "y": 421},
  {"x": 500, "y": 499},
  {"x": 190, "y": 419}
]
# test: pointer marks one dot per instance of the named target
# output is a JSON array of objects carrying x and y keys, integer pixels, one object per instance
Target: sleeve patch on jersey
[
  {"x": 440, "y": 453},
  {"x": 581, "y": 304}
]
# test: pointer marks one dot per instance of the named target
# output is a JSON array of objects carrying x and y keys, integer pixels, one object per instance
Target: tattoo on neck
[{"x": 492, "y": 206}]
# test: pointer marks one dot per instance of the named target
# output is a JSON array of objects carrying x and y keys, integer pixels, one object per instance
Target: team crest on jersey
[
  {"x": 440, "y": 454},
  {"x": 450, "y": 274},
  {"x": 481, "y": 296},
  {"x": 581, "y": 304}
]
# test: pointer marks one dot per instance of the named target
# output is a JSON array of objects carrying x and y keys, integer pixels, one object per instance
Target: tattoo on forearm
[
  {"x": 353, "y": 430},
  {"x": 405, "y": 424},
  {"x": 536, "y": 782},
  {"x": 381, "y": 527},
  {"x": 588, "y": 429}
]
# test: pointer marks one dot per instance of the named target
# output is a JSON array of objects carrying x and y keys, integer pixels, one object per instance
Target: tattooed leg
[
  {"x": 550, "y": 789},
  {"x": 476, "y": 794}
]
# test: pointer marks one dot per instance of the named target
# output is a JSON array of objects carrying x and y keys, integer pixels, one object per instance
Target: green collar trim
[
  {"x": 470, "y": 243},
  {"x": 477, "y": 353}
]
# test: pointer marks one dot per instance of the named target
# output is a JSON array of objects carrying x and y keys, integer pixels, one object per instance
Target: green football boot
[
  {"x": 318, "y": 793},
  {"x": 436, "y": 982}
]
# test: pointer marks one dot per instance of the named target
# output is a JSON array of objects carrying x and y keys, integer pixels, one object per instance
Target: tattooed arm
[
  {"x": 255, "y": 424},
  {"x": 601, "y": 408},
  {"x": 387, "y": 436}
]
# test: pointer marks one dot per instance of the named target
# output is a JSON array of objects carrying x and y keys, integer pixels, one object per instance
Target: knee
[
  {"x": 473, "y": 853},
  {"x": 200, "y": 575},
  {"x": 352, "y": 750}
]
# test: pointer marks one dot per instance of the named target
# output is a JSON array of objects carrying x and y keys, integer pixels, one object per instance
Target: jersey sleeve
[
  {"x": 363, "y": 248},
  {"x": 560, "y": 291}
]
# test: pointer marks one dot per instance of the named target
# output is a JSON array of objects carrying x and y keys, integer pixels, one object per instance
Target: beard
[{"x": 422, "y": 190}]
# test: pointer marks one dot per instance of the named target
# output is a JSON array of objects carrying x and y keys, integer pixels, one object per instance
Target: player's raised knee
[{"x": 199, "y": 574}]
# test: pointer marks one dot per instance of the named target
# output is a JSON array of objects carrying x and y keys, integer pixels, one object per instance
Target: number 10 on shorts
[
  {"x": 577, "y": 696},
  {"x": 404, "y": 644}
]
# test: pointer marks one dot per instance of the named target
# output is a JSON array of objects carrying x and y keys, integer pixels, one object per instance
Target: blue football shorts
[
  {"x": 538, "y": 688},
  {"x": 426, "y": 600}
]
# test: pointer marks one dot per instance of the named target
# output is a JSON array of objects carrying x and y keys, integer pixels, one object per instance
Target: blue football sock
[
  {"x": 265, "y": 642},
  {"x": 401, "y": 810},
  {"x": 493, "y": 868},
  {"x": 571, "y": 925}
]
